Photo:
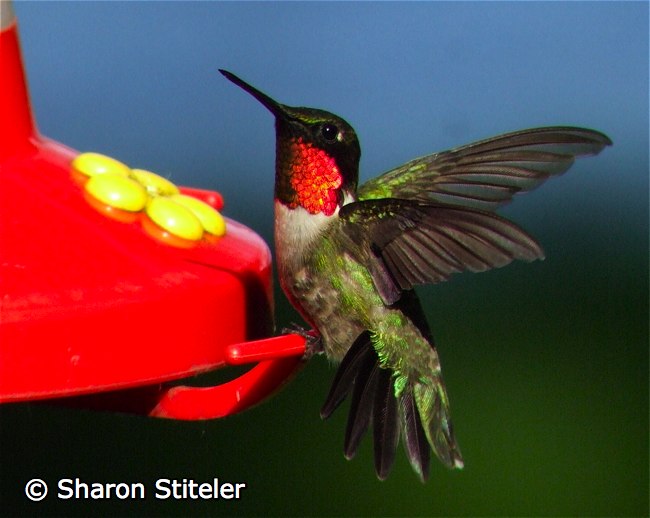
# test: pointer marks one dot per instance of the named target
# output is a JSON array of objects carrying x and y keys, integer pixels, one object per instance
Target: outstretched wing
[
  {"x": 408, "y": 242},
  {"x": 486, "y": 174}
]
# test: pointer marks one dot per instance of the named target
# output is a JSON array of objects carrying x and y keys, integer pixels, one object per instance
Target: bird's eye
[{"x": 329, "y": 132}]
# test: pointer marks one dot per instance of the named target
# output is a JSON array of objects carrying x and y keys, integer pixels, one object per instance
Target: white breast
[{"x": 296, "y": 229}]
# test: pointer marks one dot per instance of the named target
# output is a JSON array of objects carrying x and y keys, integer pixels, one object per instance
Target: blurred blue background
[{"x": 546, "y": 363}]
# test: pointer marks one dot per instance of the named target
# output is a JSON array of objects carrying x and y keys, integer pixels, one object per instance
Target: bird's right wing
[{"x": 486, "y": 174}]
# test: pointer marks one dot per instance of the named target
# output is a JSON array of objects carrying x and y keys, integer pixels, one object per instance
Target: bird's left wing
[{"x": 408, "y": 242}]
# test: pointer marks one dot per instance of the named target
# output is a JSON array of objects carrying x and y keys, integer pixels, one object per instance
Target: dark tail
[{"x": 374, "y": 399}]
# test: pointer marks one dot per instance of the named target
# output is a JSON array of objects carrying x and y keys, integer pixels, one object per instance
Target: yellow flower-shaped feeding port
[
  {"x": 93, "y": 164},
  {"x": 117, "y": 191},
  {"x": 155, "y": 184},
  {"x": 123, "y": 193},
  {"x": 175, "y": 218},
  {"x": 210, "y": 219}
]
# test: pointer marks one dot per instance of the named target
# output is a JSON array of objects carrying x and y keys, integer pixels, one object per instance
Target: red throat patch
[{"x": 314, "y": 177}]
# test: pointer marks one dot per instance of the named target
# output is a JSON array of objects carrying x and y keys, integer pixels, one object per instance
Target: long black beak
[{"x": 274, "y": 107}]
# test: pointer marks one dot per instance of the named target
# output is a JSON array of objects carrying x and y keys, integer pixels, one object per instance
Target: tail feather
[
  {"x": 385, "y": 424},
  {"x": 361, "y": 407},
  {"x": 357, "y": 355},
  {"x": 420, "y": 412},
  {"x": 433, "y": 408},
  {"x": 416, "y": 445}
]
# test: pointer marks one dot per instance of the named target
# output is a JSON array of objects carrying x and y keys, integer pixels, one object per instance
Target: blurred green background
[{"x": 546, "y": 363}]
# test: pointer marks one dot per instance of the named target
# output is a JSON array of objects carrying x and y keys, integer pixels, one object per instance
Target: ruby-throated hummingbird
[{"x": 349, "y": 256}]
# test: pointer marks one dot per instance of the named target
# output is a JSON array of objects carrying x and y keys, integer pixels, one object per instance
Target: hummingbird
[{"x": 349, "y": 257}]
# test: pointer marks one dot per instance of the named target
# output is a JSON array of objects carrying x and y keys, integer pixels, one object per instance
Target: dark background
[{"x": 546, "y": 363}]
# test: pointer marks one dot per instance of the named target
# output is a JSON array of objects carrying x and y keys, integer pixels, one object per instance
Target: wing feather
[
  {"x": 488, "y": 173},
  {"x": 419, "y": 243}
]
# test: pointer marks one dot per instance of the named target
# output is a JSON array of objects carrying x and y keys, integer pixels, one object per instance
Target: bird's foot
[{"x": 313, "y": 340}]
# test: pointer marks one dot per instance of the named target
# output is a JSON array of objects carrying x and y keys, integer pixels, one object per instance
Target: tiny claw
[{"x": 314, "y": 342}]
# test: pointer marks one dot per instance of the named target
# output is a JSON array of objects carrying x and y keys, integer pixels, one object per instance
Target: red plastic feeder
[{"x": 97, "y": 308}]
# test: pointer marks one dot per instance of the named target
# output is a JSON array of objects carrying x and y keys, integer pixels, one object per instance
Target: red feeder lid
[{"x": 91, "y": 304}]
